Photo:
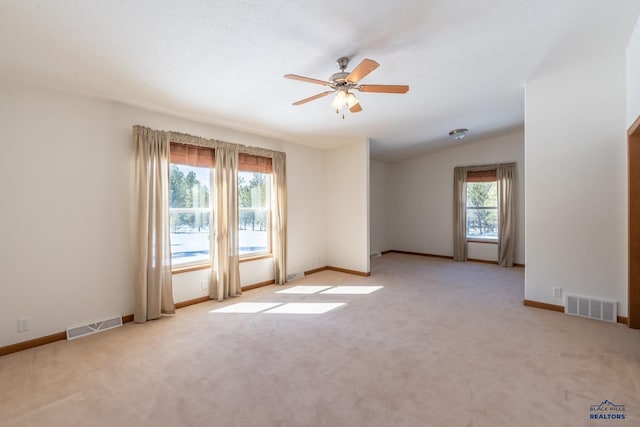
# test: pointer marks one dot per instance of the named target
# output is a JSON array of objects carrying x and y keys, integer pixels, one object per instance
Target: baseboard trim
[
  {"x": 344, "y": 270},
  {"x": 187, "y": 303},
  {"x": 483, "y": 261},
  {"x": 338, "y": 269},
  {"x": 544, "y": 305},
  {"x": 486, "y": 261},
  {"x": 315, "y": 270},
  {"x": 25, "y": 345},
  {"x": 259, "y": 285},
  {"x": 559, "y": 308},
  {"x": 515, "y": 264},
  {"x": 420, "y": 254}
]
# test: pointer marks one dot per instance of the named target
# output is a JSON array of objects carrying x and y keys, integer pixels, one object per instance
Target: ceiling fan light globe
[
  {"x": 352, "y": 100},
  {"x": 339, "y": 101}
]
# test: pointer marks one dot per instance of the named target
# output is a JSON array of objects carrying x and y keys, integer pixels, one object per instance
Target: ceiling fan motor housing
[
  {"x": 342, "y": 63},
  {"x": 339, "y": 78}
]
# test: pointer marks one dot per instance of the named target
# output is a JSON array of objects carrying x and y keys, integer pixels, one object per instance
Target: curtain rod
[{"x": 485, "y": 167}]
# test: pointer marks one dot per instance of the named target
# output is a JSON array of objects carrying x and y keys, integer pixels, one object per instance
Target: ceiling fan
[{"x": 344, "y": 82}]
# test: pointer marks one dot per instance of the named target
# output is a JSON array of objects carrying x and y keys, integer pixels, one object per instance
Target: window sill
[
  {"x": 255, "y": 257},
  {"x": 188, "y": 268},
  {"x": 489, "y": 241}
]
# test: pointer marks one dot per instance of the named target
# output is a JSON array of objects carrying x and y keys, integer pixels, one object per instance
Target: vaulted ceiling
[{"x": 222, "y": 62}]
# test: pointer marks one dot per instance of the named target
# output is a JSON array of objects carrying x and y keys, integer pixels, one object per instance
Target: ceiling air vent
[{"x": 591, "y": 308}]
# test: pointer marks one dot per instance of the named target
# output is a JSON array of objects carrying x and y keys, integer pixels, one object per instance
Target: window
[
  {"x": 254, "y": 213},
  {"x": 482, "y": 206},
  {"x": 190, "y": 214},
  {"x": 191, "y": 210},
  {"x": 190, "y": 204}
]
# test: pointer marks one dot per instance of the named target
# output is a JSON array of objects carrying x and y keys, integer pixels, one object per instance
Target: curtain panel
[
  {"x": 506, "y": 215},
  {"x": 225, "y": 277},
  {"x": 460, "y": 214},
  {"x": 153, "y": 294},
  {"x": 279, "y": 218}
]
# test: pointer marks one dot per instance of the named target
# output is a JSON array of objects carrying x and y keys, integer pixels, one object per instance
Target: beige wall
[
  {"x": 633, "y": 76},
  {"x": 347, "y": 204},
  {"x": 66, "y": 212},
  {"x": 576, "y": 195},
  {"x": 421, "y": 196},
  {"x": 380, "y": 208}
]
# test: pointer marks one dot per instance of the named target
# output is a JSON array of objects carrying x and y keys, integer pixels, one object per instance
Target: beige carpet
[{"x": 442, "y": 344}]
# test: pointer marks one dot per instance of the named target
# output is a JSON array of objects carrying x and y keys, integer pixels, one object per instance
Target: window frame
[
  {"x": 251, "y": 256},
  {"x": 196, "y": 264},
  {"x": 198, "y": 156},
  {"x": 489, "y": 175}
]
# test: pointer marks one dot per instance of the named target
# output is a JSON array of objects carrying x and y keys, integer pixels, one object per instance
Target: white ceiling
[{"x": 222, "y": 62}]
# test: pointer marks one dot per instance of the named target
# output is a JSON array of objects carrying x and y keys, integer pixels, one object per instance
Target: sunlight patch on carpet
[
  {"x": 352, "y": 290},
  {"x": 303, "y": 290},
  {"x": 305, "y": 308},
  {"x": 246, "y": 307}
]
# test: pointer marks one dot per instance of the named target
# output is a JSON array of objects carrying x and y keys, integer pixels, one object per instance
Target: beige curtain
[
  {"x": 279, "y": 217},
  {"x": 506, "y": 215},
  {"x": 225, "y": 276},
  {"x": 460, "y": 214},
  {"x": 153, "y": 293}
]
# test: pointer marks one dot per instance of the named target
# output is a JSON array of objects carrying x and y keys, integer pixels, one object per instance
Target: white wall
[
  {"x": 576, "y": 193},
  {"x": 380, "y": 207},
  {"x": 307, "y": 213},
  {"x": 421, "y": 189},
  {"x": 633, "y": 76},
  {"x": 347, "y": 204},
  {"x": 188, "y": 286},
  {"x": 65, "y": 169}
]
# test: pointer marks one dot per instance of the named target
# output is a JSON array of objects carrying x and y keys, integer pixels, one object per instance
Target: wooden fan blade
[
  {"x": 361, "y": 71},
  {"x": 313, "y": 98},
  {"x": 306, "y": 79},
  {"x": 384, "y": 88},
  {"x": 356, "y": 108}
]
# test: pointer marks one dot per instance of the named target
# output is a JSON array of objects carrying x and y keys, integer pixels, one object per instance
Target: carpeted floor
[{"x": 441, "y": 344}]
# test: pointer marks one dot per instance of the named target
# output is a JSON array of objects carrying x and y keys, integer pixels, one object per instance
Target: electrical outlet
[
  {"x": 24, "y": 324},
  {"x": 557, "y": 292},
  {"x": 204, "y": 285}
]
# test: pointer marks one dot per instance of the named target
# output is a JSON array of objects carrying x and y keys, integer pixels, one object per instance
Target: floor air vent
[
  {"x": 591, "y": 308},
  {"x": 103, "y": 325},
  {"x": 295, "y": 276}
]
